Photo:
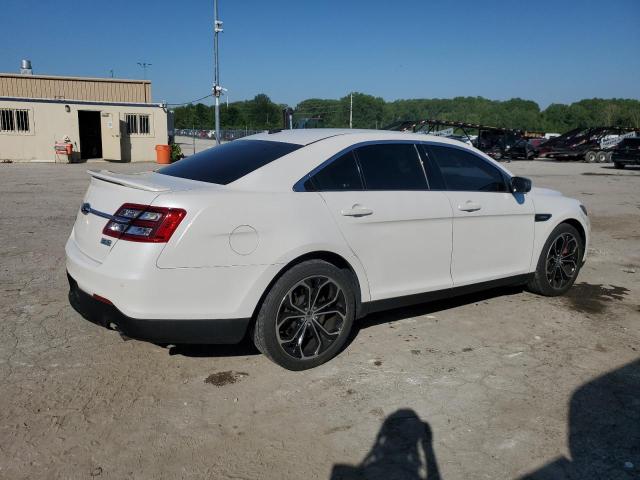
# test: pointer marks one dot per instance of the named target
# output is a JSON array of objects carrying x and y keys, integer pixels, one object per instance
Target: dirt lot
[{"x": 493, "y": 386}]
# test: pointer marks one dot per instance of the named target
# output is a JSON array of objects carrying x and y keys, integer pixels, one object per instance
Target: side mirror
[{"x": 520, "y": 185}]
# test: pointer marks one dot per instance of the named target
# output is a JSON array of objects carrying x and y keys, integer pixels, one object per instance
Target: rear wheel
[
  {"x": 590, "y": 157},
  {"x": 559, "y": 262},
  {"x": 530, "y": 154},
  {"x": 602, "y": 157},
  {"x": 306, "y": 317}
]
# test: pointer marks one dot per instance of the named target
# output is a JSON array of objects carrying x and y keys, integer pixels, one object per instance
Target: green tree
[{"x": 369, "y": 112}]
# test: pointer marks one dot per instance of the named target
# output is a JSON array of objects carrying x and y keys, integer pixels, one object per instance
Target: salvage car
[
  {"x": 627, "y": 152},
  {"x": 291, "y": 236}
]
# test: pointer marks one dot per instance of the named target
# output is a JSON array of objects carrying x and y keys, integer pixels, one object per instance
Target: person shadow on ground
[{"x": 403, "y": 450}]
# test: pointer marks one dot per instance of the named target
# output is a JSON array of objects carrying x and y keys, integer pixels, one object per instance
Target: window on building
[
  {"x": 144, "y": 124},
  {"x": 14, "y": 120},
  {"x": 138, "y": 124},
  {"x": 22, "y": 120}
]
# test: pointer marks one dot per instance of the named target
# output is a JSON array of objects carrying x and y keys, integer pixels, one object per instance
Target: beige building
[{"x": 107, "y": 118}]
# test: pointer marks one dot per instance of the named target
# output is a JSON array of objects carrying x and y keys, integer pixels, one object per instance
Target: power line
[
  {"x": 192, "y": 101},
  {"x": 144, "y": 66}
]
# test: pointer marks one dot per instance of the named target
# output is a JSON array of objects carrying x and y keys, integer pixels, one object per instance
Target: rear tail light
[{"x": 144, "y": 223}]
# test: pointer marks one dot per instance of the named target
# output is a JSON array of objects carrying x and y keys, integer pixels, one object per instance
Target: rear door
[
  {"x": 493, "y": 229},
  {"x": 400, "y": 231}
]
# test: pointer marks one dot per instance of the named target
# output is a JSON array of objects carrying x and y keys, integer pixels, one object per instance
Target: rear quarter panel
[{"x": 240, "y": 228}]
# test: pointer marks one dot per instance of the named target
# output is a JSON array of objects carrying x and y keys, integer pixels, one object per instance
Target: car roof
[
  {"x": 312, "y": 135},
  {"x": 319, "y": 145}
]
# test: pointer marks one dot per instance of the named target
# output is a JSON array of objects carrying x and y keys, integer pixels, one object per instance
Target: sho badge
[{"x": 105, "y": 241}]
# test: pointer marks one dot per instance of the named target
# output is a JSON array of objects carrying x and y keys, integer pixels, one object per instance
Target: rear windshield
[{"x": 228, "y": 162}]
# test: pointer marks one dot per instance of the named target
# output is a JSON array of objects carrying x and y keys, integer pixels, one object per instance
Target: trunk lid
[{"x": 106, "y": 193}]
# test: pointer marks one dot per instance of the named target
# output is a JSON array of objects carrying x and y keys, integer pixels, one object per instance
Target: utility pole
[
  {"x": 351, "y": 112},
  {"x": 217, "y": 88},
  {"x": 144, "y": 66}
]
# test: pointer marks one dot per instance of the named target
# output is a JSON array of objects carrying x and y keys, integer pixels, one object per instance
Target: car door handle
[
  {"x": 356, "y": 211},
  {"x": 469, "y": 206}
]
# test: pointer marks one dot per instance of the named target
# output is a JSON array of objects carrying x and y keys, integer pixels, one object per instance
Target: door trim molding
[{"x": 407, "y": 300}]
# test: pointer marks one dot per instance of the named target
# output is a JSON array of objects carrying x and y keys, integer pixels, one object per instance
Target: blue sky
[{"x": 547, "y": 51}]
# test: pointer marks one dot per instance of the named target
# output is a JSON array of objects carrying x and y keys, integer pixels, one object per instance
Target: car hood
[{"x": 546, "y": 191}]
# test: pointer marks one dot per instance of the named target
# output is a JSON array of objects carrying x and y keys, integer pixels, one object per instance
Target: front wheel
[
  {"x": 559, "y": 262},
  {"x": 306, "y": 317}
]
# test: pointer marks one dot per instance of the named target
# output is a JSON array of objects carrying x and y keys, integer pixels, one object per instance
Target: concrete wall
[
  {"x": 50, "y": 122},
  {"x": 75, "y": 88}
]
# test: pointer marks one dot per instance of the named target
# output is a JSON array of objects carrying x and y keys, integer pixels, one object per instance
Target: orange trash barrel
[{"x": 163, "y": 154}]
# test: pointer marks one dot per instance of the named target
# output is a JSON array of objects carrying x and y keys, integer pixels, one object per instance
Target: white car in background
[{"x": 290, "y": 236}]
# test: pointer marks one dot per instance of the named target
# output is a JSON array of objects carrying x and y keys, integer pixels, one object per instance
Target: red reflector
[
  {"x": 144, "y": 223},
  {"x": 102, "y": 299}
]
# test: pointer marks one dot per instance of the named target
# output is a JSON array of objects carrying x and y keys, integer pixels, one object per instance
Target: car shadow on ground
[
  {"x": 603, "y": 438},
  {"x": 435, "y": 306},
  {"x": 626, "y": 167},
  {"x": 246, "y": 347}
]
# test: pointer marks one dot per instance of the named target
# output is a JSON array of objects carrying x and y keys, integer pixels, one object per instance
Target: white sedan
[{"x": 290, "y": 236}]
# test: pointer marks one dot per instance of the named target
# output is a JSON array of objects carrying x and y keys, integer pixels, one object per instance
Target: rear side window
[
  {"x": 391, "y": 166},
  {"x": 228, "y": 162},
  {"x": 340, "y": 174},
  {"x": 465, "y": 172}
]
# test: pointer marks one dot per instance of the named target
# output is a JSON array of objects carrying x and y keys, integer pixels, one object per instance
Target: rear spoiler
[{"x": 137, "y": 181}]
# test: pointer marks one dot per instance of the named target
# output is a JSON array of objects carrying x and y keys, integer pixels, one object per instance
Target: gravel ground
[{"x": 500, "y": 385}]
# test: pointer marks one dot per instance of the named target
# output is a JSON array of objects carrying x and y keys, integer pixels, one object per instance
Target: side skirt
[{"x": 407, "y": 300}]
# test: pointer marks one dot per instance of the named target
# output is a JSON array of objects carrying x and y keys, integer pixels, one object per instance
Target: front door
[
  {"x": 400, "y": 231},
  {"x": 493, "y": 229},
  {"x": 89, "y": 128},
  {"x": 111, "y": 149}
]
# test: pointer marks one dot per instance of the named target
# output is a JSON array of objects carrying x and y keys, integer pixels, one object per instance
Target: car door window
[
  {"x": 465, "y": 172},
  {"x": 339, "y": 175},
  {"x": 391, "y": 166}
]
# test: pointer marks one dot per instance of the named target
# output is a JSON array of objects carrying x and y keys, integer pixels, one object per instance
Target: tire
[
  {"x": 617, "y": 165},
  {"x": 546, "y": 282},
  {"x": 590, "y": 157},
  {"x": 287, "y": 315},
  {"x": 609, "y": 156},
  {"x": 601, "y": 157}
]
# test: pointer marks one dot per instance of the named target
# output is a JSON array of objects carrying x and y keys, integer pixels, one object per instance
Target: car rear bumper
[
  {"x": 129, "y": 278},
  {"x": 181, "y": 331}
]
